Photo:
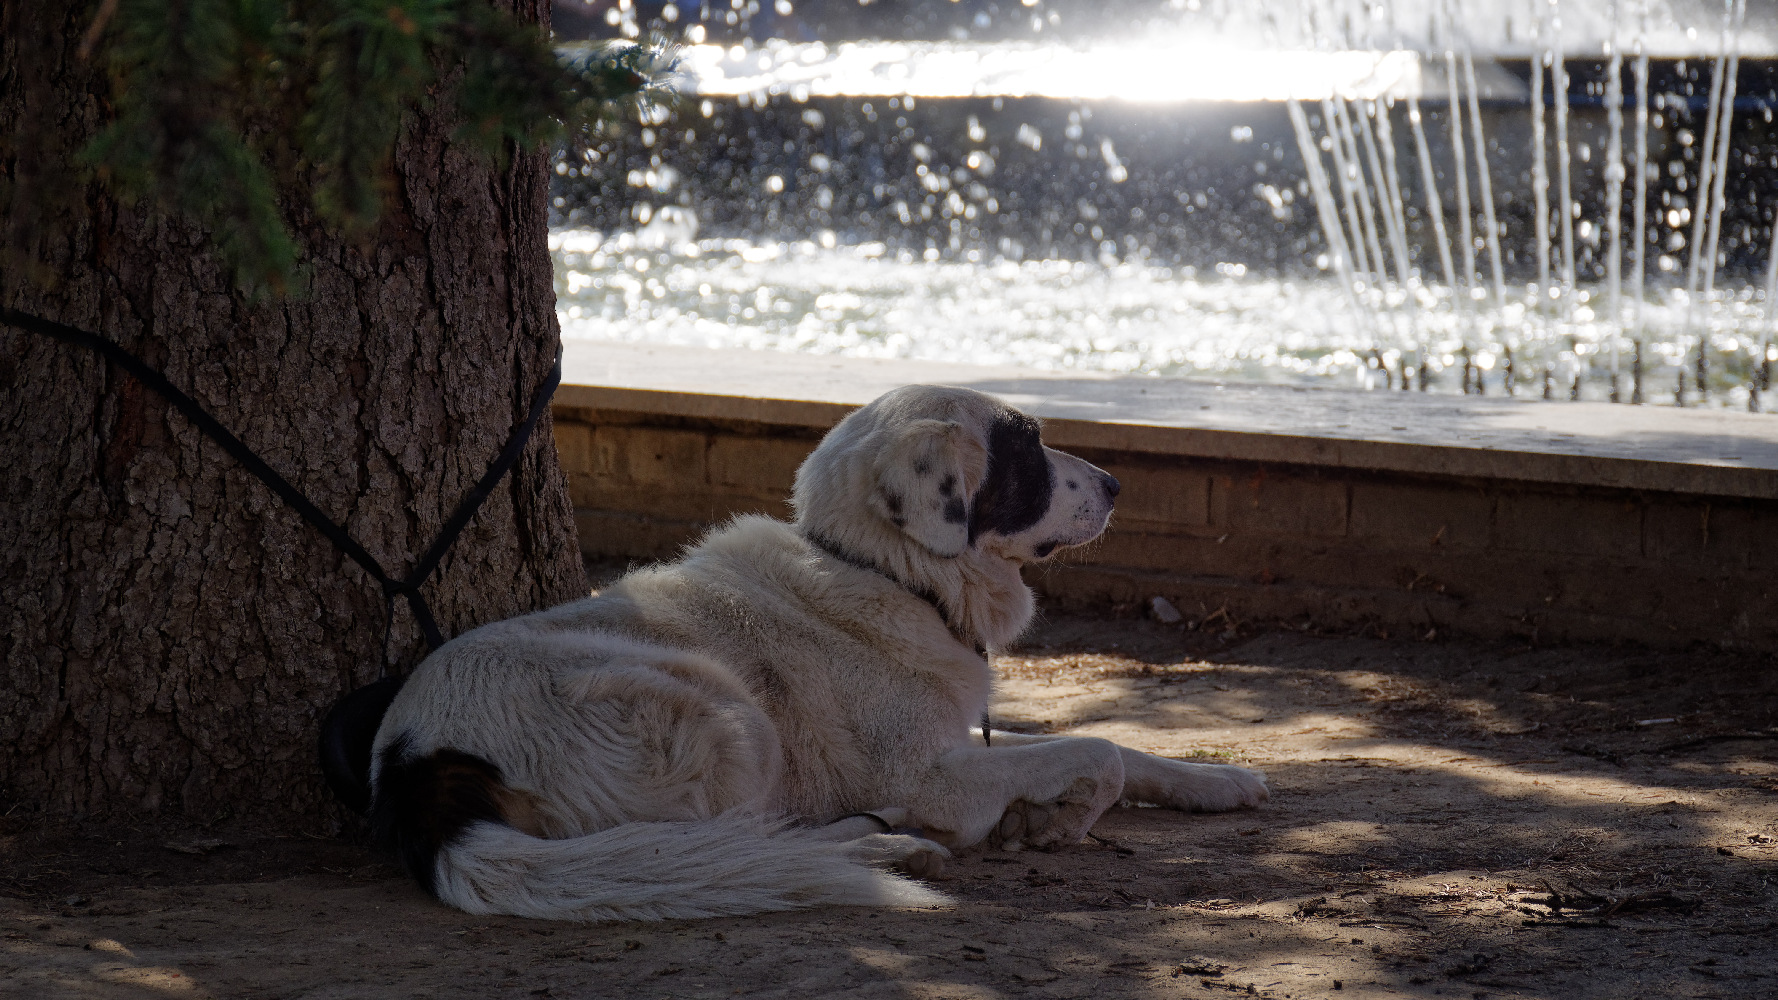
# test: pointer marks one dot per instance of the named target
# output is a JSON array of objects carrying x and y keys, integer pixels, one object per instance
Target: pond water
[{"x": 868, "y": 300}]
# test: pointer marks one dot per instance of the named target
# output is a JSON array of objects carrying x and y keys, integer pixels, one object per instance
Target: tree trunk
[{"x": 171, "y": 631}]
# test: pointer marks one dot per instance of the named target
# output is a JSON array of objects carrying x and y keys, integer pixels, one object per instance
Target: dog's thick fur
[{"x": 671, "y": 747}]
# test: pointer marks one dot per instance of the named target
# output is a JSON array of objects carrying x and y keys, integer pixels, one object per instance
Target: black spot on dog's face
[
  {"x": 892, "y": 500},
  {"x": 947, "y": 486},
  {"x": 922, "y": 467},
  {"x": 1015, "y": 494},
  {"x": 955, "y": 512}
]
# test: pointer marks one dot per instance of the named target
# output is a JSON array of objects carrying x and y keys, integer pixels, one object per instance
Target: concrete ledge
[
  {"x": 1581, "y": 444},
  {"x": 1407, "y": 512}
]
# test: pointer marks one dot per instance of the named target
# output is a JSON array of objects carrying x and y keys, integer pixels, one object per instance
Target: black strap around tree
[{"x": 408, "y": 586}]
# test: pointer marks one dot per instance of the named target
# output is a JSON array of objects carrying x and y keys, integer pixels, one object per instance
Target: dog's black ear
[{"x": 924, "y": 481}]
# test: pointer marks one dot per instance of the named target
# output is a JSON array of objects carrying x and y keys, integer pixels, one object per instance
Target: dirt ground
[{"x": 1448, "y": 818}]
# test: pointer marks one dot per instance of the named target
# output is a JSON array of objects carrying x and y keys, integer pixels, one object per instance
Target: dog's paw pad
[
  {"x": 923, "y": 864},
  {"x": 1048, "y": 826},
  {"x": 1011, "y": 826}
]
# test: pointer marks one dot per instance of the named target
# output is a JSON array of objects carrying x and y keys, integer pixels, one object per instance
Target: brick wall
[
  {"x": 1269, "y": 542},
  {"x": 643, "y": 484}
]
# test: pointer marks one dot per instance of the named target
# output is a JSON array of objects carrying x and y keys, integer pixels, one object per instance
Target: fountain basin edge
[{"x": 1388, "y": 511}]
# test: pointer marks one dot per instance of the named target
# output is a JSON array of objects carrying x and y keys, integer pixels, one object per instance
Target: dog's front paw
[
  {"x": 1049, "y": 826},
  {"x": 1207, "y": 787}
]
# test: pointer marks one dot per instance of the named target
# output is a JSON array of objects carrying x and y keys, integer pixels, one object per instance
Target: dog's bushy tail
[
  {"x": 446, "y": 815},
  {"x": 727, "y": 865}
]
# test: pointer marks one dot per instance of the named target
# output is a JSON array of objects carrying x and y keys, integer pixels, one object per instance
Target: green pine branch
[{"x": 218, "y": 103}]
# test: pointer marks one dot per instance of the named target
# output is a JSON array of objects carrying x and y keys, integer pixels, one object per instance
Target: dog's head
[{"x": 953, "y": 471}]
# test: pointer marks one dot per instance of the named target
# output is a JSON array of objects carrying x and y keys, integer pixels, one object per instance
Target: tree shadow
[
  {"x": 1453, "y": 790},
  {"x": 1429, "y": 799}
]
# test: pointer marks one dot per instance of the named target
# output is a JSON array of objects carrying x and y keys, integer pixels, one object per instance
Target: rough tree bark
[{"x": 170, "y": 631}]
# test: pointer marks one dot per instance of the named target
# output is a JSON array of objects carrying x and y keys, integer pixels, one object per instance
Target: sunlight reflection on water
[
  {"x": 1120, "y": 316},
  {"x": 865, "y": 301}
]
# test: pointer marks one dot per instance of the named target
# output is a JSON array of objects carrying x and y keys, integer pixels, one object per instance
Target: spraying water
[
  {"x": 1346, "y": 158},
  {"x": 1485, "y": 181},
  {"x": 1639, "y": 277},
  {"x": 1324, "y": 207},
  {"x": 1540, "y": 172},
  {"x": 1767, "y": 351},
  {"x": 1395, "y": 209},
  {"x": 1434, "y": 203},
  {"x": 1465, "y": 238},
  {"x": 809, "y": 183},
  {"x": 1564, "y": 158},
  {"x": 1719, "y": 177},
  {"x": 1614, "y": 198}
]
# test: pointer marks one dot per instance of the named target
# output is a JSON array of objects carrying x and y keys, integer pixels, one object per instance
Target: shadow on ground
[{"x": 1449, "y": 819}]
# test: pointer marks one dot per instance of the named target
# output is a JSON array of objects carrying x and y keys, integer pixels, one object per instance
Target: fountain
[{"x": 1249, "y": 194}]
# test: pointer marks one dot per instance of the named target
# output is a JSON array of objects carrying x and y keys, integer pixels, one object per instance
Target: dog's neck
[{"x": 980, "y": 595}]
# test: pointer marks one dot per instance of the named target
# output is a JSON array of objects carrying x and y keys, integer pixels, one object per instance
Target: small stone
[
  {"x": 1164, "y": 611},
  {"x": 75, "y": 901},
  {"x": 1198, "y": 965},
  {"x": 199, "y": 848}
]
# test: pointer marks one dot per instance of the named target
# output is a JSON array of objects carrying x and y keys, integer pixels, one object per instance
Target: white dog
[{"x": 705, "y": 737}]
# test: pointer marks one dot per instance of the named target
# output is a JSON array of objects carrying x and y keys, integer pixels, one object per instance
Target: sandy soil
[{"x": 1449, "y": 819}]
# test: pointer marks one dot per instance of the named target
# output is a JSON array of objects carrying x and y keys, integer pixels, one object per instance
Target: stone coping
[{"x": 1708, "y": 452}]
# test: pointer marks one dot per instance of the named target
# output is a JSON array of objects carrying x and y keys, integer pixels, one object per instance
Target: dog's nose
[{"x": 1111, "y": 485}]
